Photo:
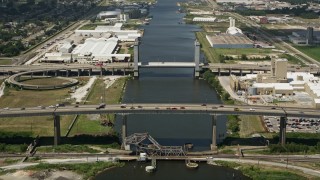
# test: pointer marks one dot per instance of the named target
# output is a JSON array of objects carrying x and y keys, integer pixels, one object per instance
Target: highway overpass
[{"x": 124, "y": 110}]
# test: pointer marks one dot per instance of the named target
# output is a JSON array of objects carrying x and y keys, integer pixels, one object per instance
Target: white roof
[
  {"x": 277, "y": 86},
  {"x": 234, "y": 31},
  {"x": 96, "y": 47}
]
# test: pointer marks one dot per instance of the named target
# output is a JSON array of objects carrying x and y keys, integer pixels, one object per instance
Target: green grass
[
  {"x": 250, "y": 125},
  {"x": 263, "y": 172},
  {"x": 312, "y": 51},
  {"x": 44, "y": 81},
  {"x": 88, "y": 27},
  {"x": 5, "y": 61},
  {"x": 291, "y": 59},
  {"x": 67, "y": 148}
]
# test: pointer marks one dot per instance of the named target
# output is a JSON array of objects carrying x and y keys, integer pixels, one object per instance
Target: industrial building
[
  {"x": 204, "y": 19},
  {"x": 279, "y": 82},
  {"x": 233, "y": 38},
  {"x": 307, "y": 37},
  {"x": 107, "y": 31},
  {"x": 93, "y": 50}
]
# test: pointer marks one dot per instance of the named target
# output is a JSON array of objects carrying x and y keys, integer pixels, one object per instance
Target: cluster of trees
[
  {"x": 12, "y": 48},
  {"x": 296, "y": 1},
  {"x": 299, "y": 11},
  {"x": 223, "y": 58},
  {"x": 214, "y": 82}
]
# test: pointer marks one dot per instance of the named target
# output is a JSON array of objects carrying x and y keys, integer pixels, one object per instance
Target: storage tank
[{"x": 253, "y": 90}]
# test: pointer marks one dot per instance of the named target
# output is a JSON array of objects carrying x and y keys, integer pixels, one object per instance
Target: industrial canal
[{"x": 166, "y": 39}]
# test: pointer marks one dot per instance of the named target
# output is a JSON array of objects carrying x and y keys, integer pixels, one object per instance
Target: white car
[{"x": 251, "y": 109}]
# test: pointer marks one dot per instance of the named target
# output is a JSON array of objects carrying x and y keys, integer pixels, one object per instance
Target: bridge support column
[
  {"x": 68, "y": 73},
  {"x": 251, "y": 71},
  {"x": 214, "y": 132},
  {"x": 124, "y": 131},
  {"x": 124, "y": 72},
  {"x": 90, "y": 72},
  {"x": 282, "y": 135},
  {"x": 240, "y": 72},
  {"x": 57, "y": 133},
  {"x": 79, "y": 72},
  {"x": 136, "y": 59},
  {"x": 56, "y": 73},
  {"x": 112, "y": 71},
  {"x": 219, "y": 71},
  {"x": 196, "y": 59},
  {"x": 229, "y": 71},
  {"x": 101, "y": 72},
  {"x": 31, "y": 75}
]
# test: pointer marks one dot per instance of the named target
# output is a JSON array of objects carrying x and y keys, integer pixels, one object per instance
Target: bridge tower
[
  {"x": 196, "y": 59},
  {"x": 214, "y": 132},
  {"x": 136, "y": 59},
  {"x": 282, "y": 132}
]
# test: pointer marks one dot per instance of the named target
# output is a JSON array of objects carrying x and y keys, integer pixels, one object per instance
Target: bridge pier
[
  {"x": 282, "y": 135},
  {"x": 101, "y": 72},
  {"x": 124, "y": 72},
  {"x": 197, "y": 59},
  {"x": 124, "y": 131},
  {"x": 136, "y": 59},
  {"x": 68, "y": 73},
  {"x": 90, "y": 72},
  {"x": 240, "y": 72},
  {"x": 251, "y": 71},
  {"x": 31, "y": 75},
  {"x": 57, "y": 133},
  {"x": 214, "y": 132},
  {"x": 112, "y": 71},
  {"x": 79, "y": 72},
  {"x": 56, "y": 73},
  {"x": 219, "y": 72},
  {"x": 229, "y": 71}
]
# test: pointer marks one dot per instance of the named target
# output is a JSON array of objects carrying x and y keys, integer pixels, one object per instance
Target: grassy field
[
  {"x": 312, "y": 51},
  {"x": 88, "y": 27},
  {"x": 250, "y": 125},
  {"x": 5, "y": 61},
  {"x": 25, "y": 98},
  {"x": 44, "y": 81},
  {"x": 89, "y": 124}
]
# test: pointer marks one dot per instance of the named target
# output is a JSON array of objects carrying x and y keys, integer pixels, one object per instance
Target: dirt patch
[{"x": 46, "y": 174}]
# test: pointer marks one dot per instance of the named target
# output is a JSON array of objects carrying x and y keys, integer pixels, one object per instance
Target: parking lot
[{"x": 309, "y": 125}]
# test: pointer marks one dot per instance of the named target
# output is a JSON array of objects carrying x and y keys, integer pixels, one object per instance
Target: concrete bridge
[{"x": 121, "y": 109}]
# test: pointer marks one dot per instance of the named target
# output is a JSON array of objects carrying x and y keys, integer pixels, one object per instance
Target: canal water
[{"x": 166, "y": 39}]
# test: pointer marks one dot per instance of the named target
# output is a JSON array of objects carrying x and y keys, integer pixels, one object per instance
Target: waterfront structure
[
  {"x": 92, "y": 51},
  {"x": 109, "y": 14}
]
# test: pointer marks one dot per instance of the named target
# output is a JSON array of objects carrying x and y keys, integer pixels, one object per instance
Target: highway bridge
[{"x": 124, "y": 110}]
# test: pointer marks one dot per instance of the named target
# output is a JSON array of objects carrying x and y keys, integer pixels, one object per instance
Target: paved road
[{"x": 162, "y": 109}]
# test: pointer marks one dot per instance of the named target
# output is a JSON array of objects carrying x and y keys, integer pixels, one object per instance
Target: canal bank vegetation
[
  {"x": 87, "y": 170},
  {"x": 265, "y": 172}
]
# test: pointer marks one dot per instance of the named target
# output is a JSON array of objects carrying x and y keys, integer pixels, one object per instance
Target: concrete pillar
[
  {"x": 229, "y": 71},
  {"x": 79, "y": 72},
  {"x": 219, "y": 71},
  {"x": 196, "y": 58},
  {"x": 90, "y": 72},
  {"x": 44, "y": 73},
  {"x": 240, "y": 72},
  {"x": 282, "y": 135},
  {"x": 136, "y": 59},
  {"x": 56, "y": 73},
  {"x": 57, "y": 133},
  {"x": 68, "y": 73},
  {"x": 251, "y": 71},
  {"x": 124, "y": 72},
  {"x": 214, "y": 132},
  {"x": 31, "y": 75},
  {"x": 101, "y": 71},
  {"x": 112, "y": 72},
  {"x": 124, "y": 130}
]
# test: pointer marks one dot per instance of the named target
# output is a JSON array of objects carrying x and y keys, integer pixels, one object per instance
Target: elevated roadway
[
  {"x": 217, "y": 67},
  {"x": 162, "y": 109}
]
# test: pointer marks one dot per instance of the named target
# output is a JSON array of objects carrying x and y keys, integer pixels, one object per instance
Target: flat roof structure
[
  {"x": 229, "y": 41},
  {"x": 96, "y": 47}
]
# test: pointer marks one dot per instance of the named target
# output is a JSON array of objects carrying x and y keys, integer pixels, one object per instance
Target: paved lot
[{"x": 310, "y": 125}]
